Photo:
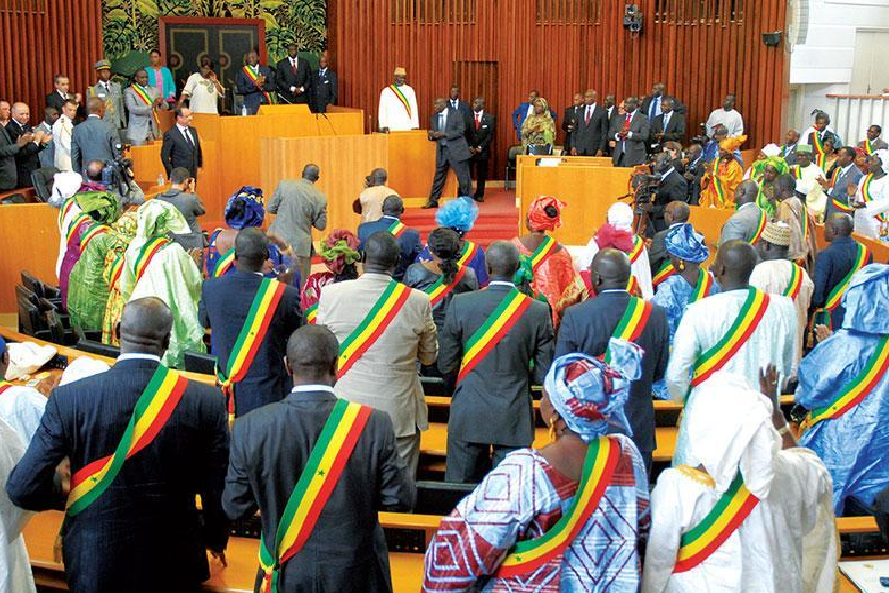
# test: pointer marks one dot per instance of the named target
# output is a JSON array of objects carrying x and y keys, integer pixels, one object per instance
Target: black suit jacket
[
  {"x": 571, "y": 115},
  {"x": 462, "y": 107},
  {"x": 54, "y": 99},
  {"x": 253, "y": 96},
  {"x": 324, "y": 90},
  {"x": 492, "y": 404},
  {"x": 26, "y": 159},
  {"x": 346, "y": 551},
  {"x": 453, "y": 144},
  {"x": 286, "y": 77},
  {"x": 672, "y": 189},
  {"x": 593, "y": 137},
  {"x": 696, "y": 170},
  {"x": 143, "y": 534},
  {"x": 675, "y": 131},
  {"x": 587, "y": 327},
  {"x": 176, "y": 151},
  {"x": 634, "y": 148},
  {"x": 481, "y": 137},
  {"x": 657, "y": 251},
  {"x": 409, "y": 242},
  {"x": 225, "y": 302},
  {"x": 646, "y": 104},
  {"x": 8, "y": 151}
]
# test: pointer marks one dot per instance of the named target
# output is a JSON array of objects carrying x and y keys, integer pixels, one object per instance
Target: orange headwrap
[
  {"x": 539, "y": 219},
  {"x": 732, "y": 143}
]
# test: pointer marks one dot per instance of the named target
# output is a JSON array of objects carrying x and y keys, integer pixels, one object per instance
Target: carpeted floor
[{"x": 498, "y": 218}]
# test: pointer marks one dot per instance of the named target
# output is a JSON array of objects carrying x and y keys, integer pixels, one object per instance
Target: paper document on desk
[{"x": 865, "y": 574}]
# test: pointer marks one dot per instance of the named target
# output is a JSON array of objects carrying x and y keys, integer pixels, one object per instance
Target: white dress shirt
[{"x": 61, "y": 138}]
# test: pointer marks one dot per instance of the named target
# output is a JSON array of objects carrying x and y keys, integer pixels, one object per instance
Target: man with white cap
[
  {"x": 749, "y": 511},
  {"x": 809, "y": 177},
  {"x": 398, "y": 106},
  {"x": 777, "y": 275}
]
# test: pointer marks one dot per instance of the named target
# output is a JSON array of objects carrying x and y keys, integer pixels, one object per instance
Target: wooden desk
[{"x": 411, "y": 165}]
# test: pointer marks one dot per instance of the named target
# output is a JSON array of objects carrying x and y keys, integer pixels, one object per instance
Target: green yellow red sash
[
  {"x": 440, "y": 290},
  {"x": 253, "y": 76},
  {"x": 720, "y": 190},
  {"x": 797, "y": 172},
  {"x": 143, "y": 96},
  {"x": 745, "y": 324},
  {"x": 796, "y": 281},
  {"x": 760, "y": 227},
  {"x": 840, "y": 206},
  {"x": 311, "y": 314},
  {"x": 117, "y": 266},
  {"x": 404, "y": 102},
  {"x": 818, "y": 144},
  {"x": 316, "y": 483},
  {"x": 224, "y": 263},
  {"x": 638, "y": 247},
  {"x": 153, "y": 408},
  {"x": 704, "y": 287},
  {"x": 857, "y": 389},
  {"x": 599, "y": 465},
  {"x": 868, "y": 196},
  {"x": 868, "y": 147},
  {"x": 4, "y": 386},
  {"x": 631, "y": 324},
  {"x": 397, "y": 228},
  {"x": 90, "y": 234},
  {"x": 467, "y": 252},
  {"x": 493, "y": 330},
  {"x": 633, "y": 286},
  {"x": 75, "y": 224},
  {"x": 732, "y": 508},
  {"x": 373, "y": 325},
  {"x": 665, "y": 272},
  {"x": 805, "y": 229},
  {"x": 249, "y": 340},
  {"x": 146, "y": 254},
  {"x": 63, "y": 212},
  {"x": 542, "y": 253},
  {"x": 836, "y": 295}
]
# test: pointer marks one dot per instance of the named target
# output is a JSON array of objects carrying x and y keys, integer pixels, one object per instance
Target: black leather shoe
[
  {"x": 480, "y": 198},
  {"x": 430, "y": 205}
]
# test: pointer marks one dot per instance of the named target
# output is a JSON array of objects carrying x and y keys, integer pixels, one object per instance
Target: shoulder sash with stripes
[
  {"x": 598, "y": 470},
  {"x": 760, "y": 227},
  {"x": 372, "y": 326},
  {"x": 146, "y": 98},
  {"x": 75, "y": 224},
  {"x": 249, "y": 340},
  {"x": 638, "y": 247},
  {"x": 397, "y": 228},
  {"x": 64, "y": 210},
  {"x": 316, "y": 483},
  {"x": 703, "y": 288},
  {"x": 632, "y": 323},
  {"x": 311, "y": 314},
  {"x": 868, "y": 196},
  {"x": 467, "y": 252},
  {"x": 90, "y": 234},
  {"x": 254, "y": 77},
  {"x": 224, "y": 263},
  {"x": 542, "y": 253},
  {"x": 817, "y": 143},
  {"x": 146, "y": 254},
  {"x": 836, "y": 295},
  {"x": 633, "y": 286},
  {"x": 493, "y": 330},
  {"x": 4, "y": 386},
  {"x": 795, "y": 283},
  {"x": 665, "y": 272},
  {"x": 745, "y": 324},
  {"x": 117, "y": 265},
  {"x": 719, "y": 186},
  {"x": 796, "y": 171},
  {"x": 440, "y": 290},
  {"x": 868, "y": 147},
  {"x": 404, "y": 102},
  {"x": 857, "y": 389},
  {"x": 732, "y": 508},
  {"x": 153, "y": 408}
]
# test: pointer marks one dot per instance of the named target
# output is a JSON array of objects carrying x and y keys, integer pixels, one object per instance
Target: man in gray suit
[
  {"x": 743, "y": 224},
  {"x": 182, "y": 195},
  {"x": 845, "y": 175},
  {"x": 447, "y": 128},
  {"x": 110, "y": 93},
  {"x": 491, "y": 410},
  {"x": 47, "y": 155},
  {"x": 631, "y": 132},
  {"x": 299, "y": 206},
  {"x": 142, "y": 126},
  {"x": 94, "y": 139}
]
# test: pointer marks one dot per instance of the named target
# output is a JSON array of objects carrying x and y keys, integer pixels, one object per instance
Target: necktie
[
  {"x": 654, "y": 105},
  {"x": 441, "y": 121},
  {"x": 293, "y": 64},
  {"x": 666, "y": 120},
  {"x": 453, "y": 104},
  {"x": 629, "y": 120},
  {"x": 187, "y": 136},
  {"x": 589, "y": 115},
  {"x": 478, "y": 120}
]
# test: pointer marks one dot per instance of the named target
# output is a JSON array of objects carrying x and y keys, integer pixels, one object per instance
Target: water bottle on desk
[{"x": 160, "y": 179}]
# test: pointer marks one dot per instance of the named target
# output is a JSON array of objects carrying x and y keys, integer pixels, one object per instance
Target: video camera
[
  {"x": 702, "y": 137},
  {"x": 118, "y": 174}
]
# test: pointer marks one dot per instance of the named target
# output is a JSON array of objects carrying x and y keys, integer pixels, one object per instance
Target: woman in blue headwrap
[
  {"x": 460, "y": 215},
  {"x": 585, "y": 494},
  {"x": 690, "y": 282}
]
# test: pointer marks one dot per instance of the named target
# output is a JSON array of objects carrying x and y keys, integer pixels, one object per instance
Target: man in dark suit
[
  {"x": 94, "y": 139},
  {"x": 61, "y": 93},
  {"x": 345, "y": 549},
  {"x": 27, "y": 159},
  {"x": 447, "y": 128},
  {"x": 324, "y": 86},
  {"x": 653, "y": 105},
  {"x": 9, "y": 149},
  {"x": 846, "y": 175},
  {"x": 669, "y": 126},
  {"x": 835, "y": 262},
  {"x": 694, "y": 171},
  {"x": 569, "y": 122},
  {"x": 675, "y": 213},
  {"x": 631, "y": 132},
  {"x": 293, "y": 77},
  {"x": 181, "y": 146},
  {"x": 587, "y": 327},
  {"x": 672, "y": 188},
  {"x": 591, "y": 136},
  {"x": 457, "y": 104},
  {"x": 141, "y": 534},
  {"x": 408, "y": 241},
  {"x": 788, "y": 150},
  {"x": 491, "y": 406},
  {"x": 479, "y": 135},
  {"x": 522, "y": 111},
  {"x": 225, "y": 303},
  {"x": 256, "y": 84}
]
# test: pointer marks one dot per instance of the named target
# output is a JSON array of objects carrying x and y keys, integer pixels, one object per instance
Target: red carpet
[{"x": 497, "y": 221}]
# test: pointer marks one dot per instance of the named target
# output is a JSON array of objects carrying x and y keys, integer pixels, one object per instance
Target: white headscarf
[
  {"x": 771, "y": 150},
  {"x": 620, "y": 216},
  {"x": 731, "y": 428}
]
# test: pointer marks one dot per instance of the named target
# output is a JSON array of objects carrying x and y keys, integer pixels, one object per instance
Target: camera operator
[
  {"x": 672, "y": 187},
  {"x": 117, "y": 178},
  {"x": 694, "y": 171}
]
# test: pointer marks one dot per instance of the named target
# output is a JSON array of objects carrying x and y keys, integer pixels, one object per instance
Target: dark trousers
[
  {"x": 478, "y": 165},
  {"x": 468, "y": 463},
  {"x": 443, "y": 162}
]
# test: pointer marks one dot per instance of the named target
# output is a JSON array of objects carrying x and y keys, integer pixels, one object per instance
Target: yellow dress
[{"x": 719, "y": 190}]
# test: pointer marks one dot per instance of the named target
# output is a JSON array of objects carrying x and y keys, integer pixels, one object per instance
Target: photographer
[
  {"x": 117, "y": 178},
  {"x": 182, "y": 196}
]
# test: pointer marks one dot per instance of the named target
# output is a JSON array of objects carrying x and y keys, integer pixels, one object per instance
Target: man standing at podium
[
  {"x": 293, "y": 77},
  {"x": 398, "y": 106},
  {"x": 447, "y": 128}
]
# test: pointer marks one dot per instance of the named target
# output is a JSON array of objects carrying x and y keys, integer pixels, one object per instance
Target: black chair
[
  {"x": 51, "y": 293},
  {"x": 42, "y": 180},
  {"x": 513, "y": 152},
  {"x": 197, "y": 362},
  {"x": 60, "y": 334},
  {"x": 440, "y": 498},
  {"x": 98, "y": 348},
  {"x": 31, "y": 322},
  {"x": 539, "y": 149}
]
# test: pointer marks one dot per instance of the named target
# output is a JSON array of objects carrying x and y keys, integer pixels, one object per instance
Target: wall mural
[{"x": 132, "y": 25}]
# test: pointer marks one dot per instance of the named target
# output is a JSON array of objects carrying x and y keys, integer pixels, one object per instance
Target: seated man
[
  {"x": 408, "y": 239},
  {"x": 181, "y": 195},
  {"x": 21, "y": 407},
  {"x": 369, "y": 203},
  {"x": 675, "y": 213},
  {"x": 744, "y": 514},
  {"x": 845, "y": 383},
  {"x": 340, "y": 547}
]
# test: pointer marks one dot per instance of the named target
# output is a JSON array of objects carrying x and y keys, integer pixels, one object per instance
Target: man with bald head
[
  {"x": 408, "y": 239},
  {"x": 344, "y": 549},
  {"x": 369, "y": 203},
  {"x": 134, "y": 528},
  {"x": 746, "y": 221},
  {"x": 766, "y": 333},
  {"x": 675, "y": 212},
  {"x": 833, "y": 264},
  {"x": 27, "y": 157},
  {"x": 491, "y": 412},
  {"x": 788, "y": 149},
  {"x": 587, "y": 327},
  {"x": 94, "y": 139}
]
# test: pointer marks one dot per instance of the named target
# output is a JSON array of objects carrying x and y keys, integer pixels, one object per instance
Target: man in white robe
[
  {"x": 808, "y": 181},
  {"x": 397, "y": 110},
  {"x": 787, "y": 542},
  {"x": 15, "y": 567}
]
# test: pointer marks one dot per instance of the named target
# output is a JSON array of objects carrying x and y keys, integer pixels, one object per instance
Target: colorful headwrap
[
  {"x": 867, "y": 300},
  {"x": 539, "y": 220},
  {"x": 103, "y": 206},
  {"x": 778, "y": 162},
  {"x": 459, "y": 214},
  {"x": 686, "y": 244},
  {"x": 245, "y": 208},
  {"x": 732, "y": 143},
  {"x": 589, "y": 394},
  {"x": 339, "y": 250}
]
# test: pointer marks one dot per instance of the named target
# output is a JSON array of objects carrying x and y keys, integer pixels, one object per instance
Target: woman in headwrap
[
  {"x": 539, "y": 128},
  {"x": 156, "y": 267},
  {"x": 617, "y": 233},
  {"x": 723, "y": 176},
  {"x": 491, "y": 541},
  {"x": 340, "y": 254},
  {"x": 244, "y": 210},
  {"x": 772, "y": 168},
  {"x": 743, "y": 514},
  {"x": 545, "y": 263},
  {"x": 687, "y": 250},
  {"x": 460, "y": 215},
  {"x": 98, "y": 209}
]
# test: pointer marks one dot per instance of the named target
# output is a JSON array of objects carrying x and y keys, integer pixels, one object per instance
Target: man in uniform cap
[
  {"x": 398, "y": 106},
  {"x": 110, "y": 92}
]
